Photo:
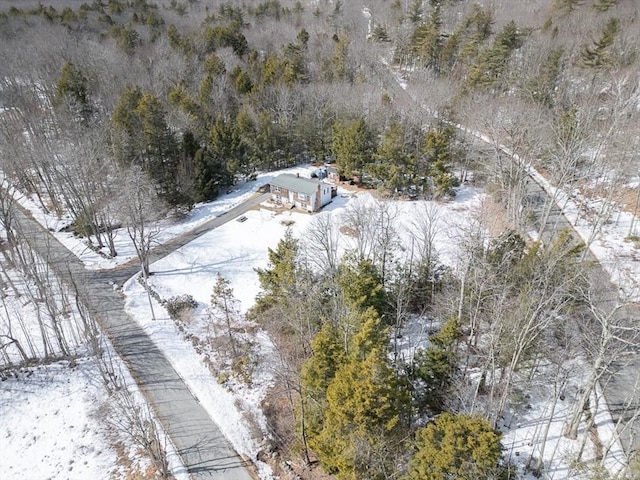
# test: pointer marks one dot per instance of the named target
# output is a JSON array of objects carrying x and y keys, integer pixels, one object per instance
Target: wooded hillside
[{"x": 117, "y": 112}]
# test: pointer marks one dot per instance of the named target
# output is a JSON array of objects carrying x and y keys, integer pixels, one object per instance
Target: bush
[
  {"x": 456, "y": 446},
  {"x": 180, "y": 303}
]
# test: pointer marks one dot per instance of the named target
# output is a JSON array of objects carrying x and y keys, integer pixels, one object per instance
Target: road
[
  {"x": 621, "y": 382},
  {"x": 621, "y": 379},
  {"x": 204, "y": 450}
]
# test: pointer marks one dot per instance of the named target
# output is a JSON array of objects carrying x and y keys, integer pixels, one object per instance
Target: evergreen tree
[
  {"x": 438, "y": 153},
  {"x": 598, "y": 55},
  {"x": 294, "y": 66},
  {"x": 506, "y": 251},
  {"x": 210, "y": 175},
  {"x": 316, "y": 374},
  {"x": 361, "y": 287},
  {"x": 415, "y": 11},
  {"x": 604, "y": 5},
  {"x": 279, "y": 279},
  {"x": 160, "y": 145},
  {"x": 226, "y": 146},
  {"x": 72, "y": 87},
  {"x": 492, "y": 63},
  {"x": 393, "y": 164},
  {"x": 476, "y": 28},
  {"x": 380, "y": 34},
  {"x": 542, "y": 87},
  {"x": 338, "y": 69},
  {"x": 426, "y": 40},
  {"x": 433, "y": 368},
  {"x": 214, "y": 66},
  {"x": 568, "y": 6},
  {"x": 241, "y": 81},
  {"x": 456, "y": 446},
  {"x": 226, "y": 36},
  {"x": 225, "y": 304},
  {"x": 352, "y": 148},
  {"x": 127, "y": 126},
  {"x": 367, "y": 410}
]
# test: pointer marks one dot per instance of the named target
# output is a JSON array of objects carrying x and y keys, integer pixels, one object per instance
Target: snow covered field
[
  {"x": 55, "y": 426},
  {"x": 235, "y": 249},
  {"x": 51, "y": 424}
]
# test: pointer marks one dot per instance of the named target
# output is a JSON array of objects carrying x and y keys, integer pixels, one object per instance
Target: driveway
[{"x": 204, "y": 450}]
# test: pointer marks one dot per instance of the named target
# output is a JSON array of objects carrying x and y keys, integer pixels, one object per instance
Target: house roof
[{"x": 308, "y": 186}]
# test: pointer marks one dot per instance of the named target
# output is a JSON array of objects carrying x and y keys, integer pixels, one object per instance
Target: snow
[
  {"x": 54, "y": 414},
  {"x": 49, "y": 424},
  {"x": 168, "y": 228},
  {"x": 235, "y": 249},
  {"x": 538, "y": 418},
  {"x": 53, "y": 426}
]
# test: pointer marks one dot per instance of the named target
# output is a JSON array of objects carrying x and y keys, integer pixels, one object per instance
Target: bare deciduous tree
[{"x": 140, "y": 211}]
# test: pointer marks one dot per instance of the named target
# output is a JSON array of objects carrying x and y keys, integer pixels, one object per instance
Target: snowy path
[
  {"x": 621, "y": 380},
  {"x": 204, "y": 450}
]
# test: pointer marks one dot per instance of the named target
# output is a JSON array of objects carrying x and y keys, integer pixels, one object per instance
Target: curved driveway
[{"x": 204, "y": 450}]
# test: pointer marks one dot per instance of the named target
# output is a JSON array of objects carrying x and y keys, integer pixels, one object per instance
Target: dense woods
[{"x": 174, "y": 102}]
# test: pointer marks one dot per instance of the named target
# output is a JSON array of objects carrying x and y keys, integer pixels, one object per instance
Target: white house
[{"x": 310, "y": 194}]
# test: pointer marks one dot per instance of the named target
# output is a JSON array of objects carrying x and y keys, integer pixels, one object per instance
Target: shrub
[{"x": 180, "y": 303}]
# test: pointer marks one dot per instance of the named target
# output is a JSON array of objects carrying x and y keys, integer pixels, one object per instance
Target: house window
[
  {"x": 303, "y": 197},
  {"x": 276, "y": 188}
]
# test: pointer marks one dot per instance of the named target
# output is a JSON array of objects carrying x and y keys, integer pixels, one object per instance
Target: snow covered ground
[
  {"x": 54, "y": 427},
  {"x": 168, "y": 229},
  {"x": 50, "y": 424},
  {"x": 235, "y": 249}
]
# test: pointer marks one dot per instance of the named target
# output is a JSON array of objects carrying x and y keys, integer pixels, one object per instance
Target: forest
[{"x": 179, "y": 101}]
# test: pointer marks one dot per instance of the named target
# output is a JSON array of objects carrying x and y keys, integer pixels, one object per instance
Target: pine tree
[
  {"x": 337, "y": 68},
  {"x": 241, "y": 81},
  {"x": 476, "y": 28},
  {"x": 492, "y": 63},
  {"x": 224, "y": 302},
  {"x": 72, "y": 87},
  {"x": 361, "y": 287},
  {"x": 456, "y": 446},
  {"x": 393, "y": 164},
  {"x": 380, "y": 34},
  {"x": 316, "y": 374},
  {"x": 160, "y": 145},
  {"x": 352, "y": 147},
  {"x": 542, "y": 87},
  {"x": 598, "y": 55},
  {"x": 226, "y": 146},
  {"x": 604, "y": 5},
  {"x": 127, "y": 141},
  {"x": 279, "y": 279},
  {"x": 213, "y": 65},
  {"x": 416, "y": 11},
  {"x": 438, "y": 154},
  {"x": 433, "y": 368},
  {"x": 367, "y": 410},
  {"x": 568, "y": 5},
  {"x": 426, "y": 40}
]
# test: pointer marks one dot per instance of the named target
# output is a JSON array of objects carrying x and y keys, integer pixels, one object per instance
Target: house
[{"x": 308, "y": 193}]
